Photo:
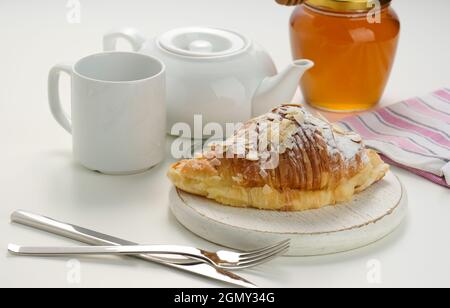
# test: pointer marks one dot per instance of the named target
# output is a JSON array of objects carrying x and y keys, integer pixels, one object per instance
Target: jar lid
[
  {"x": 200, "y": 42},
  {"x": 338, "y": 5}
]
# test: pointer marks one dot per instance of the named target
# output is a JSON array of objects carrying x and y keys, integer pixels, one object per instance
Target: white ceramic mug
[{"x": 118, "y": 117}]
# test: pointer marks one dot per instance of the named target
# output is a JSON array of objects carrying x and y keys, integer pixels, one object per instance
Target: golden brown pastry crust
[{"x": 317, "y": 165}]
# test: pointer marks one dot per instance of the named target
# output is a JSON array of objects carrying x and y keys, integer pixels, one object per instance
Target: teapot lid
[{"x": 201, "y": 42}]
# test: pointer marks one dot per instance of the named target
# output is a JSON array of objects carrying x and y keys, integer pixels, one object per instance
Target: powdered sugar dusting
[{"x": 338, "y": 142}]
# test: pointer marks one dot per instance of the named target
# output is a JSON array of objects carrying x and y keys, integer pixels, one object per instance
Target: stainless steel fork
[{"x": 222, "y": 259}]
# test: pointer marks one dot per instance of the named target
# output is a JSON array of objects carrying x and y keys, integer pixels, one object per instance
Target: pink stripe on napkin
[
  {"x": 364, "y": 131},
  {"x": 426, "y": 110},
  {"x": 444, "y": 94},
  {"x": 403, "y": 124},
  {"x": 413, "y": 135}
]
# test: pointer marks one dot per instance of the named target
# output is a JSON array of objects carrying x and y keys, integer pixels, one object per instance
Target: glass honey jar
[{"x": 353, "y": 44}]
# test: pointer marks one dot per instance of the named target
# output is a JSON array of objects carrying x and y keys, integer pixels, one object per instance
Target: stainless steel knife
[{"x": 94, "y": 238}]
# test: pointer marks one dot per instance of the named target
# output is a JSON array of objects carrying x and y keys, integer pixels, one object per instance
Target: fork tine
[
  {"x": 258, "y": 261},
  {"x": 264, "y": 255},
  {"x": 265, "y": 249},
  {"x": 266, "y": 259}
]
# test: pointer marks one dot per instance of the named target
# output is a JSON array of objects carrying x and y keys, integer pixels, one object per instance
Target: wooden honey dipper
[{"x": 289, "y": 2}]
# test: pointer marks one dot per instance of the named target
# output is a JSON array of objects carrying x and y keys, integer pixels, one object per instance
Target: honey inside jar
[{"x": 353, "y": 54}]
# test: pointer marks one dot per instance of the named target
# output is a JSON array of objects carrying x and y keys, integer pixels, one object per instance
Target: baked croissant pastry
[{"x": 286, "y": 160}]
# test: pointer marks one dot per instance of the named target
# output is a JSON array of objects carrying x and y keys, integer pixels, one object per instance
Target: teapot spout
[{"x": 279, "y": 89}]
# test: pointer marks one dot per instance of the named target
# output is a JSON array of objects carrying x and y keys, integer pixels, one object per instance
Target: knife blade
[{"x": 95, "y": 238}]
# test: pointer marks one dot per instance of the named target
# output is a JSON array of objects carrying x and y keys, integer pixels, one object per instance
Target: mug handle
[
  {"x": 53, "y": 95},
  {"x": 131, "y": 35}
]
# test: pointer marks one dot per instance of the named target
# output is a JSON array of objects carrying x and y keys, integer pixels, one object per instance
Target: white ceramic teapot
[{"x": 217, "y": 73}]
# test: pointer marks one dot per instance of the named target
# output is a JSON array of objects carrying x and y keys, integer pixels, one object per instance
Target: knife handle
[
  {"x": 64, "y": 229},
  {"x": 87, "y": 236}
]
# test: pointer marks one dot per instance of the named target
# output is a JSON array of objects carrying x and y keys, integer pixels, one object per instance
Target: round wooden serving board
[{"x": 372, "y": 215}]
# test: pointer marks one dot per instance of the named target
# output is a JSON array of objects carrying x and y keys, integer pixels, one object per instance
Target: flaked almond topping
[
  {"x": 263, "y": 173},
  {"x": 285, "y": 123},
  {"x": 238, "y": 179},
  {"x": 273, "y": 116},
  {"x": 290, "y": 110},
  {"x": 265, "y": 155},
  {"x": 209, "y": 155},
  {"x": 253, "y": 140},
  {"x": 356, "y": 138},
  {"x": 263, "y": 144},
  {"x": 215, "y": 162},
  {"x": 315, "y": 121},
  {"x": 253, "y": 156},
  {"x": 219, "y": 148},
  {"x": 267, "y": 190},
  {"x": 299, "y": 118},
  {"x": 323, "y": 118},
  {"x": 290, "y": 144},
  {"x": 338, "y": 129}
]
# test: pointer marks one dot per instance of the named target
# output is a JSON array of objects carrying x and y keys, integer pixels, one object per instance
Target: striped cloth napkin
[{"x": 413, "y": 134}]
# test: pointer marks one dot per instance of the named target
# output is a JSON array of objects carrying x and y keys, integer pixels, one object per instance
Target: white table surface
[{"x": 38, "y": 173}]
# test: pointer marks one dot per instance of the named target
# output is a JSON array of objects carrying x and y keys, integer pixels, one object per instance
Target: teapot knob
[{"x": 201, "y": 46}]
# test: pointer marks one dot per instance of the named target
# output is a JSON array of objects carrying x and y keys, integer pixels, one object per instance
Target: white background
[{"x": 38, "y": 173}]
